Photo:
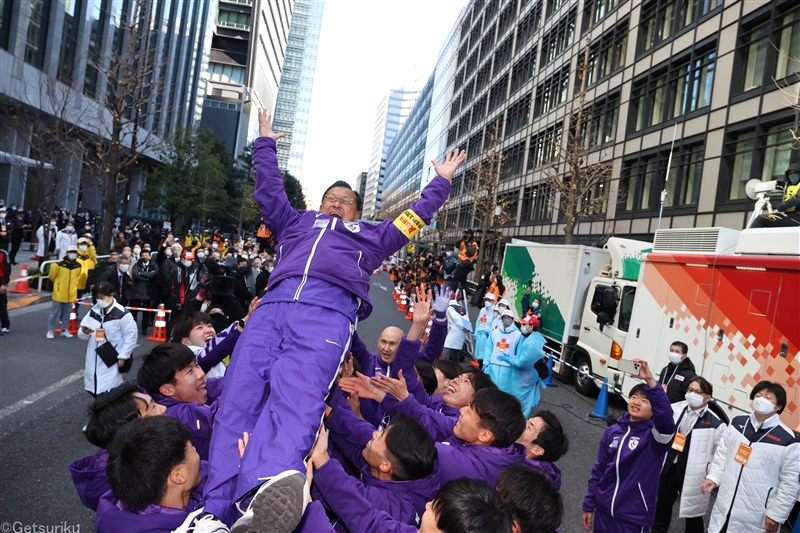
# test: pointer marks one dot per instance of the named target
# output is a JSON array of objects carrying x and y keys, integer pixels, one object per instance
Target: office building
[
  {"x": 297, "y": 81},
  {"x": 248, "y": 48},
  {"x": 361, "y": 184}
]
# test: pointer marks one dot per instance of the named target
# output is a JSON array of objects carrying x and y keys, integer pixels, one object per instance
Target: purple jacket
[
  {"x": 457, "y": 460},
  {"x": 218, "y": 348},
  {"x": 113, "y": 517},
  {"x": 550, "y": 470},
  {"x": 438, "y": 424},
  {"x": 625, "y": 476},
  {"x": 89, "y": 478},
  {"x": 316, "y": 245},
  {"x": 314, "y": 520},
  {"x": 198, "y": 418}
]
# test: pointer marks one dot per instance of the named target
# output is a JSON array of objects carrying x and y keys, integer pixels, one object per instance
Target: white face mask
[
  {"x": 201, "y": 255},
  {"x": 187, "y": 263},
  {"x": 168, "y": 253},
  {"x": 694, "y": 399},
  {"x": 675, "y": 358},
  {"x": 82, "y": 247},
  {"x": 762, "y": 406},
  {"x": 487, "y": 304},
  {"x": 535, "y": 306},
  {"x": 72, "y": 256},
  {"x": 123, "y": 268},
  {"x": 107, "y": 303},
  {"x": 256, "y": 265},
  {"x": 215, "y": 246},
  {"x": 137, "y": 251},
  {"x": 270, "y": 269},
  {"x": 507, "y": 323},
  {"x": 526, "y": 330}
]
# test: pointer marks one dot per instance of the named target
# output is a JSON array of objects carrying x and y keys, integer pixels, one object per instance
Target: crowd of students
[{"x": 285, "y": 420}]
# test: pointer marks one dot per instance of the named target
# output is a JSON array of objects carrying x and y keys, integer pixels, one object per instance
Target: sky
[{"x": 367, "y": 47}]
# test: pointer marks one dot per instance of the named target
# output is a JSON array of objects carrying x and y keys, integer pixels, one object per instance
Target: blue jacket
[
  {"x": 521, "y": 379},
  {"x": 625, "y": 476}
]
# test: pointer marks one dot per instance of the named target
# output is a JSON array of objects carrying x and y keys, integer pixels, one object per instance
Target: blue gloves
[{"x": 504, "y": 359}]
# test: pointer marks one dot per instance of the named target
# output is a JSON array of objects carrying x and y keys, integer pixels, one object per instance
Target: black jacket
[
  {"x": 677, "y": 381},
  {"x": 123, "y": 293},
  {"x": 144, "y": 284}
]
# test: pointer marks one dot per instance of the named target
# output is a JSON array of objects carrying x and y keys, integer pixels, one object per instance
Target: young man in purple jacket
[
  {"x": 546, "y": 443},
  {"x": 283, "y": 365},
  {"x": 623, "y": 486}
]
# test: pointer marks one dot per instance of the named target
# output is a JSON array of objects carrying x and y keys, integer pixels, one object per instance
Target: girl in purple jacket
[{"x": 623, "y": 486}]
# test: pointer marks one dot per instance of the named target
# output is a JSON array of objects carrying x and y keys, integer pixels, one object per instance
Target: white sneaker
[
  {"x": 50, "y": 335},
  {"x": 278, "y": 505},
  {"x": 3, "y": 331},
  {"x": 206, "y": 523},
  {"x": 67, "y": 334}
]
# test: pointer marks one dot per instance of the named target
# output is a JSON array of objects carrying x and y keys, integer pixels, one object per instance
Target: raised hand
[
  {"x": 361, "y": 386},
  {"x": 443, "y": 296},
  {"x": 452, "y": 160},
  {"x": 265, "y": 126},
  {"x": 395, "y": 387},
  {"x": 422, "y": 305}
]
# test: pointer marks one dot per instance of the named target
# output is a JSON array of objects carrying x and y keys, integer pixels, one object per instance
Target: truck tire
[{"x": 583, "y": 384}]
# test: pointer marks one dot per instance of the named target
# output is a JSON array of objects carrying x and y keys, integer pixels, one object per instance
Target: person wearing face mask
[
  {"x": 483, "y": 326},
  {"x": 137, "y": 252},
  {"x": 520, "y": 378},
  {"x": 699, "y": 431},
  {"x": 144, "y": 274},
  {"x": 788, "y": 211},
  {"x": 532, "y": 308},
  {"x": 120, "y": 280},
  {"x": 252, "y": 275},
  {"x": 87, "y": 257},
  {"x": 756, "y": 467},
  {"x": 502, "y": 305},
  {"x": 66, "y": 238},
  {"x": 262, "y": 280},
  {"x": 67, "y": 275},
  {"x": 107, "y": 321},
  {"x": 46, "y": 235},
  {"x": 5, "y": 229},
  {"x": 674, "y": 377},
  {"x": 456, "y": 333},
  {"x": 503, "y": 340},
  {"x": 240, "y": 289}
]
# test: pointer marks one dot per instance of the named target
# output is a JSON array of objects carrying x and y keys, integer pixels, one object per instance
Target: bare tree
[{"x": 582, "y": 187}]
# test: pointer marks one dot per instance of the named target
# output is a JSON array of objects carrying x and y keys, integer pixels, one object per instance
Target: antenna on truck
[{"x": 666, "y": 178}]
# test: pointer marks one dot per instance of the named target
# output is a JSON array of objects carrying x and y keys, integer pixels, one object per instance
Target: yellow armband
[{"x": 409, "y": 223}]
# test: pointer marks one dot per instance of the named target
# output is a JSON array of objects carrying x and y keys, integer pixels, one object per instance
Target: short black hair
[
  {"x": 705, "y": 386},
  {"x": 450, "y": 369},
  {"x": 682, "y": 346},
  {"x": 470, "y": 506},
  {"x": 500, "y": 413},
  {"x": 102, "y": 288},
  {"x": 412, "y": 448},
  {"x": 141, "y": 457},
  {"x": 552, "y": 438},
  {"x": 480, "y": 380},
  {"x": 638, "y": 389},
  {"x": 110, "y": 411},
  {"x": 346, "y": 185},
  {"x": 776, "y": 389},
  {"x": 533, "y": 500},
  {"x": 161, "y": 363},
  {"x": 426, "y": 376},
  {"x": 186, "y": 321}
]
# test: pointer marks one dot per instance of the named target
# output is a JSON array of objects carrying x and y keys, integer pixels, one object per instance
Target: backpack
[
  {"x": 541, "y": 368},
  {"x": 450, "y": 264}
]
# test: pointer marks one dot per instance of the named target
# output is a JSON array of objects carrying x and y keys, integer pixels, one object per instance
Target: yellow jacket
[
  {"x": 88, "y": 262},
  {"x": 67, "y": 277}
]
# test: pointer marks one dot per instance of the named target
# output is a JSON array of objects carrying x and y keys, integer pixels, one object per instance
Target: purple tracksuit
[
  {"x": 89, "y": 478},
  {"x": 438, "y": 424},
  {"x": 218, "y": 348},
  {"x": 623, "y": 485},
  {"x": 548, "y": 469},
  {"x": 198, "y": 418},
  {"x": 457, "y": 460},
  {"x": 288, "y": 356}
]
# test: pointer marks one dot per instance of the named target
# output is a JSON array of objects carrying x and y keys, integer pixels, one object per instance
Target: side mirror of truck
[
  {"x": 610, "y": 298},
  {"x": 603, "y": 319}
]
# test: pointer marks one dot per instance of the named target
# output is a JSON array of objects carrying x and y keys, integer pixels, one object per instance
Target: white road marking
[{"x": 11, "y": 409}]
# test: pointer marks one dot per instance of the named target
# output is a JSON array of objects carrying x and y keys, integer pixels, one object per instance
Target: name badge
[
  {"x": 743, "y": 454},
  {"x": 99, "y": 335},
  {"x": 679, "y": 442},
  {"x": 679, "y": 377}
]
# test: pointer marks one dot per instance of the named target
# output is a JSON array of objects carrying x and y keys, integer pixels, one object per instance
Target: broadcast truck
[{"x": 731, "y": 296}]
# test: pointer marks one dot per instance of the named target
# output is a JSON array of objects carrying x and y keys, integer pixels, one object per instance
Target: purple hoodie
[
  {"x": 457, "y": 460},
  {"x": 89, "y": 478},
  {"x": 316, "y": 245},
  {"x": 198, "y": 418},
  {"x": 218, "y": 348},
  {"x": 625, "y": 476},
  {"x": 550, "y": 470},
  {"x": 438, "y": 424}
]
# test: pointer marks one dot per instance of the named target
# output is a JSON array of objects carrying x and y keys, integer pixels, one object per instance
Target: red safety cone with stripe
[
  {"x": 21, "y": 286},
  {"x": 377, "y": 271},
  {"x": 396, "y": 293},
  {"x": 427, "y": 330},
  {"x": 402, "y": 307},
  {"x": 410, "y": 314},
  {"x": 160, "y": 329},
  {"x": 72, "y": 327}
]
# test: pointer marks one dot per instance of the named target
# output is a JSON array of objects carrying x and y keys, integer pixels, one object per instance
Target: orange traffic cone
[
  {"x": 410, "y": 314},
  {"x": 401, "y": 303},
  {"x": 427, "y": 331},
  {"x": 377, "y": 271},
  {"x": 160, "y": 329},
  {"x": 396, "y": 293},
  {"x": 72, "y": 327},
  {"x": 21, "y": 286}
]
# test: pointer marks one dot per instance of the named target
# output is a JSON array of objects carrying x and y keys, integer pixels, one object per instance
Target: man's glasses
[{"x": 346, "y": 201}]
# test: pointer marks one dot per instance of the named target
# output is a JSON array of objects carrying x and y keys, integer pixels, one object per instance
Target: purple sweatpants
[
  {"x": 275, "y": 387},
  {"x": 605, "y": 523}
]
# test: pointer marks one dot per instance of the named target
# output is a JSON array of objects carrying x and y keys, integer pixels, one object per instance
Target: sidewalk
[{"x": 25, "y": 256}]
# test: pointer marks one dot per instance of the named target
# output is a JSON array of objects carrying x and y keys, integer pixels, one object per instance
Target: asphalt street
[{"x": 43, "y": 408}]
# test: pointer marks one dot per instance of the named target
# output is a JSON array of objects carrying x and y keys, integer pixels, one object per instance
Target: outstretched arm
[{"x": 276, "y": 210}]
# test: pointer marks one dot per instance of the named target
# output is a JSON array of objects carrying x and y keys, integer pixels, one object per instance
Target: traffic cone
[
  {"x": 548, "y": 381},
  {"x": 396, "y": 293},
  {"x": 377, "y": 271},
  {"x": 402, "y": 307},
  {"x": 72, "y": 327},
  {"x": 601, "y": 407},
  {"x": 427, "y": 330},
  {"x": 410, "y": 314},
  {"x": 21, "y": 286},
  {"x": 160, "y": 329}
]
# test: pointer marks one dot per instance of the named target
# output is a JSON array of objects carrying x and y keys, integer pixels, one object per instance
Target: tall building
[
  {"x": 703, "y": 70},
  {"x": 244, "y": 70},
  {"x": 361, "y": 184},
  {"x": 50, "y": 46},
  {"x": 297, "y": 81},
  {"x": 392, "y": 113}
]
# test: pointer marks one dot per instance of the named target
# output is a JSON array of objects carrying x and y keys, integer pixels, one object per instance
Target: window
[
  {"x": 762, "y": 153},
  {"x": 553, "y": 6},
  {"x": 506, "y": 19},
  {"x": 474, "y": 145},
  {"x": 607, "y": 54},
  {"x": 599, "y": 122},
  {"x": 469, "y": 92},
  {"x": 661, "y": 19},
  {"x": 479, "y": 110},
  {"x": 459, "y": 80},
  {"x": 462, "y": 52},
  {"x": 475, "y": 34},
  {"x": 626, "y": 307},
  {"x": 759, "y": 60},
  {"x": 37, "y": 32},
  {"x": 233, "y": 19},
  {"x": 509, "y": 202},
  {"x": 493, "y": 129},
  {"x": 523, "y": 70},
  {"x": 452, "y": 135},
  {"x": 558, "y": 39},
  {"x": 69, "y": 38},
  {"x": 5, "y": 22},
  {"x": 643, "y": 178},
  {"x": 552, "y": 92},
  {"x": 472, "y": 62},
  {"x": 545, "y": 146},
  {"x": 537, "y": 203},
  {"x": 503, "y": 54},
  {"x": 482, "y": 77},
  {"x": 597, "y": 10},
  {"x": 486, "y": 45},
  {"x": 518, "y": 115},
  {"x": 491, "y": 9},
  {"x": 226, "y": 73},
  {"x": 681, "y": 87},
  {"x": 513, "y": 161},
  {"x": 455, "y": 106},
  {"x": 529, "y": 24},
  {"x": 497, "y": 94},
  {"x": 463, "y": 125}
]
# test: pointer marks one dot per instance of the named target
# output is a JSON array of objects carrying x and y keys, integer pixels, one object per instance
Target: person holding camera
[
  {"x": 788, "y": 211},
  {"x": 468, "y": 253}
]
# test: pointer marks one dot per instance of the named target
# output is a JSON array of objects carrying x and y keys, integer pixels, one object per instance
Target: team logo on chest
[
  {"x": 352, "y": 226},
  {"x": 633, "y": 443}
]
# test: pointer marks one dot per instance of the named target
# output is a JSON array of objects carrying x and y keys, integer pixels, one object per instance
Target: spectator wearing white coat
[
  {"x": 66, "y": 238},
  {"x": 757, "y": 468},
  {"x": 52, "y": 229},
  {"x": 456, "y": 334},
  {"x": 699, "y": 431},
  {"x": 106, "y": 323}
]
